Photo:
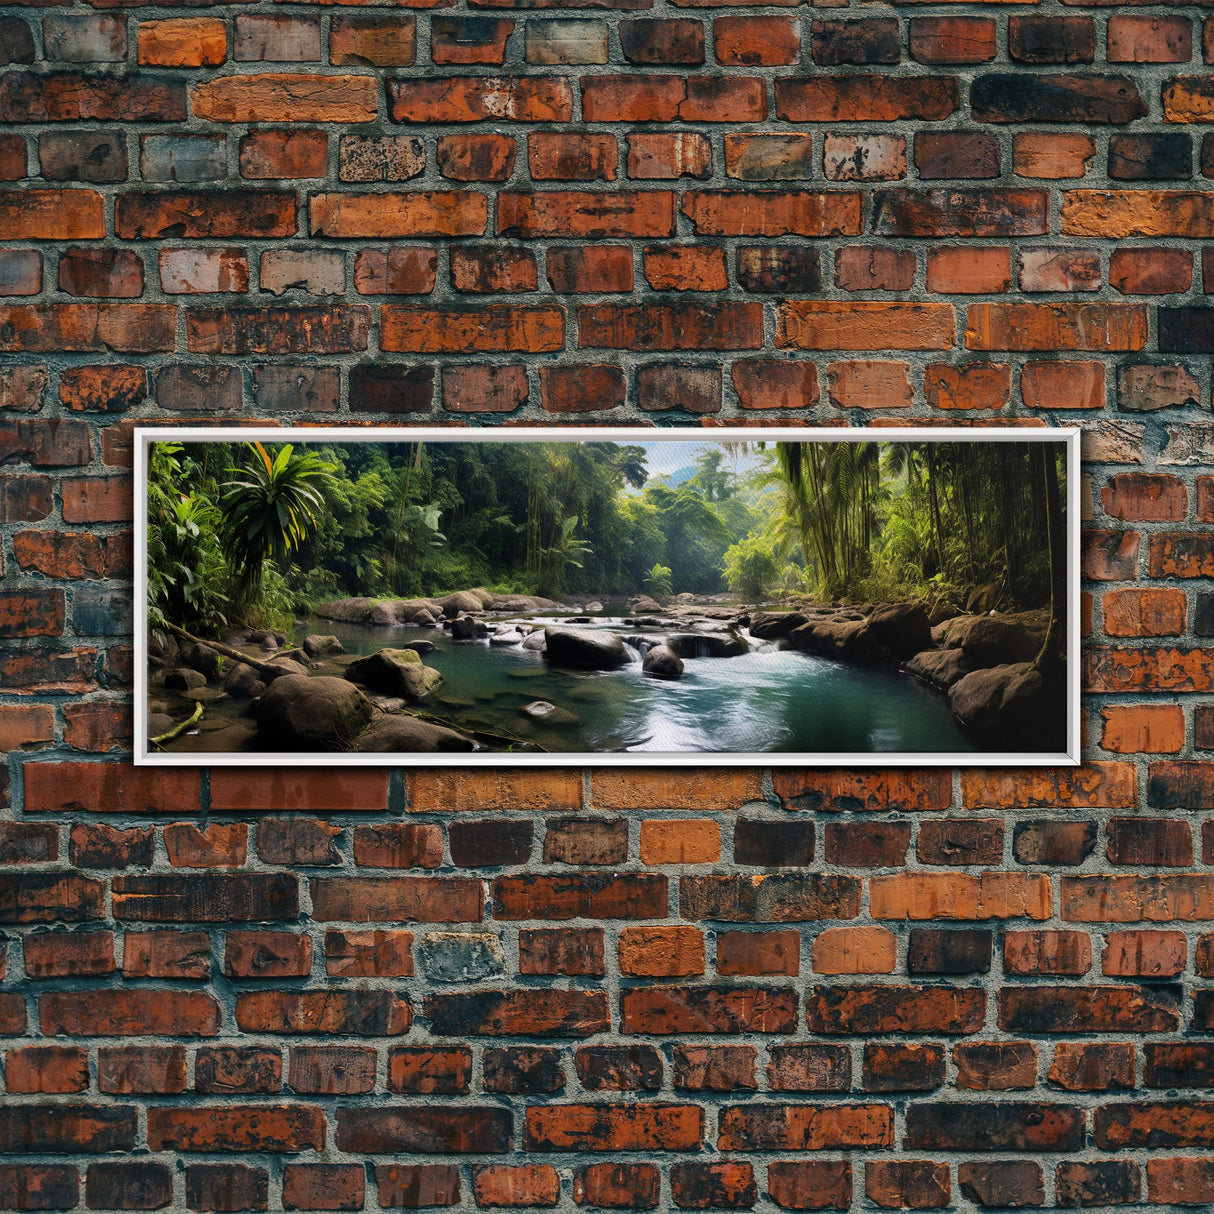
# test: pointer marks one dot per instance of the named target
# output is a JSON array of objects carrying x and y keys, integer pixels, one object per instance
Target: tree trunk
[{"x": 1050, "y": 657}]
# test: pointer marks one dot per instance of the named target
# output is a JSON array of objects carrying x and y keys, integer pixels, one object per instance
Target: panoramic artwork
[{"x": 525, "y": 597}]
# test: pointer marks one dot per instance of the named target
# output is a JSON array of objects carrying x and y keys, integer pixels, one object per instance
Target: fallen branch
[
  {"x": 227, "y": 651},
  {"x": 178, "y": 730}
]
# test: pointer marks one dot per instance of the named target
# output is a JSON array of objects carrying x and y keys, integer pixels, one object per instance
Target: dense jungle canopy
[{"x": 253, "y": 533}]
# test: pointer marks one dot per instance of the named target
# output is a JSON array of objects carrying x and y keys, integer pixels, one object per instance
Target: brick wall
[{"x": 752, "y": 989}]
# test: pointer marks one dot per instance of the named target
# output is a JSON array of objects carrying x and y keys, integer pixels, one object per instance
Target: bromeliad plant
[{"x": 269, "y": 509}]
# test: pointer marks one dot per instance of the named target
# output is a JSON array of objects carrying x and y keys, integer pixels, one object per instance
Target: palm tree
[{"x": 269, "y": 509}]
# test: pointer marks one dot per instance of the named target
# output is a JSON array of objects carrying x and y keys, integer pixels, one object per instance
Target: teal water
[{"x": 768, "y": 700}]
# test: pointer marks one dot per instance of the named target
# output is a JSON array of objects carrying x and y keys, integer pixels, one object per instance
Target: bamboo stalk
[{"x": 178, "y": 730}]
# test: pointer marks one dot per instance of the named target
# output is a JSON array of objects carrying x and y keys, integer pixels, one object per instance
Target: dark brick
[
  {"x": 489, "y": 843},
  {"x": 1150, "y": 157},
  {"x": 773, "y": 844},
  {"x": 960, "y": 951},
  {"x": 779, "y": 269},
  {"x": 1004, "y": 97},
  {"x": 840, "y": 42}
]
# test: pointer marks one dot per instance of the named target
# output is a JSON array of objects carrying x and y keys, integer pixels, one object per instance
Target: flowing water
[{"x": 768, "y": 700}]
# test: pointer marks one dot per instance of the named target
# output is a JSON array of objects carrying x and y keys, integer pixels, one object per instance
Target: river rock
[
  {"x": 163, "y": 653},
  {"x": 269, "y": 644},
  {"x": 595, "y": 606},
  {"x": 584, "y": 647},
  {"x": 315, "y": 645},
  {"x": 243, "y": 682},
  {"x": 158, "y": 723},
  {"x": 462, "y": 600},
  {"x": 467, "y": 628},
  {"x": 900, "y": 628},
  {"x": 422, "y": 618},
  {"x": 272, "y": 671},
  {"x": 202, "y": 658},
  {"x": 708, "y": 644},
  {"x": 997, "y": 640},
  {"x": 384, "y": 614},
  {"x": 299, "y": 712},
  {"x": 510, "y": 637},
  {"x": 348, "y": 611},
  {"x": 421, "y": 647},
  {"x": 395, "y": 672},
  {"x": 1013, "y": 705},
  {"x": 661, "y": 662},
  {"x": 184, "y": 678},
  {"x": 524, "y": 602},
  {"x": 405, "y": 733},
  {"x": 643, "y": 604},
  {"x": 940, "y": 667},
  {"x": 535, "y": 642}
]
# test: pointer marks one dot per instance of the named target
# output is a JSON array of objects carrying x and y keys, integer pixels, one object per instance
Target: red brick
[
  {"x": 503, "y": 1185},
  {"x": 582, "y": 388},
  {"x": 1143, "y": 728},
  {"x": 266, "y": 954},
  {"x": 428, "y": 1071},
  {"x": 869, "y": 384},
  {"x": 685, "y": 268},
  {"x": 865, "y": 97},
  {"x": 1149, "y": 39},
  {"x": 1042, "y": 270},
  {"x": 332, "y": 1070},
  {"x": 874, "y": 268},
  {"x": 205, "y": 214},
  {"x": 284, "y": 154},
  {"x": 899, "y": 1184},
  {"x": 476, "y": 157},
  {"x": 316, "y": 1186},
  {"x": 964, "y": 270},
  {"x": 772, "y": 213},
  {"x": 666, "y": 156},
  {"x": 681, "y": 326},
  {"x": 105, "y": 327},
  {"x": 182, "y": 42},
  {"x": 1063, "y": 385},
  {"x": 49, "y": 1069},
  {"x": 810, "y": 1185},
  {"x": 299, "y": 789},
  {"x": 51, "y": 215},
  {"x": 166, "y": 954},
  {"x": 557, "y": 156},
  {"x": 1148, "y": 612},
  {"x": 479, "y": 99},
  {"x": 122, "y": 1013},
  {"x": 617, "y": 1185},
  {"x": 366, "y": 954},
  {"x": 614, "y": 1127},
  {"x": 399, "y": 270},
  {"x": 938, "y": 40},
  {"x": 218, "y": 1128},
  {"x": 417, "y": 1185},
  {"x": 1151, "y": 271},
  {"x": 221, "y": 844},
  {"x": 493, "y": 268},
  {"x": 469, "y": 40},
  {"x": 756, "y": 41},
  {"x": 775, "y": 385},
  {"x": 502, "y": 327},
  {"x": 974, "y": 386}
]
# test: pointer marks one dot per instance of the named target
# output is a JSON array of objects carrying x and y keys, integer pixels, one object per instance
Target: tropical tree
[
  {"x": 657, "y": 580},
  {"x": 269, "y": 509}
]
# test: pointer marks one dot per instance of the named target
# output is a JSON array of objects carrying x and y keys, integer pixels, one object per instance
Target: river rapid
[{"x": 769, "y": 700}]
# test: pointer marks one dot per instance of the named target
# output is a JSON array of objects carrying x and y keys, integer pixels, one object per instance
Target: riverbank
[{"x": 313, "y": 697}]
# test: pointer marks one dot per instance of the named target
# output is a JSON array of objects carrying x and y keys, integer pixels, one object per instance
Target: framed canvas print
[{"x": 536, "y": 597}]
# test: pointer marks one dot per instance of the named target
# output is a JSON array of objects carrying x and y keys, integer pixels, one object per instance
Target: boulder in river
[
  {"x": 185, "y": 678},
  {"x": 302, "y": 712},
  {"x": 315, "y": 645},
  {"x": 1013, "y": 705},
  {"x": 421, "y": 647},
  {"x": 349, "y": 611},
  {"x": 644, "y": 604},
  {"x": 203, "y": 659},
  {"x": 708, "y": 644},
  {"x": 998, "y": 640},
  {"x": 661, "y": 662},
  {"x": 274, "y": 670},
  {"x": 586, "y": 648},
  {"x": 395, "y": 672},
  {"x": 940, "y": 667},
  {"x": 405, "y": 733},
  {"x": 422, "y": 618},
  {"x": 468, "y": 627},
  {"x": 510, "y": 636},
  {"x": 464, "y": 600},
  {"x": 243, "y": 682},
  {"x": 535, "y": 642},
  {"x": 900, "y": 628}
]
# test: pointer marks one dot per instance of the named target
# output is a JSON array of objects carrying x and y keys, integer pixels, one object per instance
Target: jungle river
[{"x": 768, "y": 700}]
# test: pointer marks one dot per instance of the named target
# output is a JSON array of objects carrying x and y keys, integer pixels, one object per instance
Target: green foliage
[
  {"x": 751, "y": 568},
  {"x": 269, "y": 508},
  {"x": 186, "y": 567},
  {"x": 657, "y": 581}
]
